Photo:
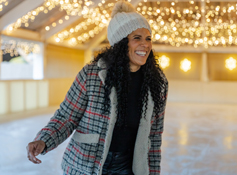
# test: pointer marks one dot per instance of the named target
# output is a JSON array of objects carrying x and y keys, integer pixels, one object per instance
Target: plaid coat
[{"x": 81, "y": 111}]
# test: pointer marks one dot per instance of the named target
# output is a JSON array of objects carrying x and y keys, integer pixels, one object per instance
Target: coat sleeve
[
  {"x": 156, "y": 139},
  {"x": 67, "y": 117}
]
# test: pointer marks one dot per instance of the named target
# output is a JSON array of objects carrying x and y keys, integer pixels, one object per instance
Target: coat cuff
[{"x": 47, "y": 139}]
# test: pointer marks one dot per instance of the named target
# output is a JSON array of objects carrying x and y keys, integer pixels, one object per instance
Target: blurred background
[{"x": 45, "y": 43}]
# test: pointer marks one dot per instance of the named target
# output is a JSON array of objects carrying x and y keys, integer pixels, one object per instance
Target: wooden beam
[
  {"x": 24, "y": 34},
  {"x": 191, "y": 49},
  {"x": 47, "y": 34},
  {"x": 19, "y": 11},
  {"x": 65, "y": 44},
  {"x": 221, "y": 49}
]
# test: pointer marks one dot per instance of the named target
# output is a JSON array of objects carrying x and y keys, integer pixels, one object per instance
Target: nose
[{"x": 144, "y": 43}]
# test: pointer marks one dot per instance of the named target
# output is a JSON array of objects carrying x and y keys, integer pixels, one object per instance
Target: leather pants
[{"x": 118, "y": 163}]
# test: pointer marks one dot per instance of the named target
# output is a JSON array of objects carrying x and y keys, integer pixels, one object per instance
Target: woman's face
[{"x": 139, "y": 48}]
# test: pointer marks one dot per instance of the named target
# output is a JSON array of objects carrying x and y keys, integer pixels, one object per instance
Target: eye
[
  {"x": 136, "y": 37},
  {"x": 148, "y": 39}
]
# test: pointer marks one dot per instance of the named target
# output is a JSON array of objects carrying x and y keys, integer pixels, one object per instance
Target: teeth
[{"x": 141, "y": 53}]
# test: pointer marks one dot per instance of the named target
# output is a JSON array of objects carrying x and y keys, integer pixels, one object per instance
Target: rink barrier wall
[{"x": 26, "y": 95}]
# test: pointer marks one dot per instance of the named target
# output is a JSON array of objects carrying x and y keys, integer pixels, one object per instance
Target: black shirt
[{"x": 124, "y": 138}]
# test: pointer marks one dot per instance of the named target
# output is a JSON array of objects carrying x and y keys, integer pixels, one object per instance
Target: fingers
[
  {"x": 31, "y": 153},
  {"x": 34, "y": 149}
]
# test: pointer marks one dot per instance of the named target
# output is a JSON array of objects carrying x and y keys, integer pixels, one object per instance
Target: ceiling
[{"x": 196, "y": 25}]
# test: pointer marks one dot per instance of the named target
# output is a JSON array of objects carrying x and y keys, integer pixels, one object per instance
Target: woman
[{"x": 115, "y": 105}]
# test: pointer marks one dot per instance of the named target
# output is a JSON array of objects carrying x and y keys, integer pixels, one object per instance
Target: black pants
[{"x": 118, "y": 163}]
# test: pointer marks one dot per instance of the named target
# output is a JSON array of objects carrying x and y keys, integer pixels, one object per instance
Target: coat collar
[{"x": 102, "y": 72}]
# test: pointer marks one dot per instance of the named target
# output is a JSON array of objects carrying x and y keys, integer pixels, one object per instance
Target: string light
[
  {"x": 94, "y": 20},
  {"x": 2, "y": 4},
  {"x": 47, "y": 28},
  {"x": 12, "y": 46},
  {"x": 176, "y": 25},
  {"x": 72, "y": 8},
  {"x": 171, "y": 25}
]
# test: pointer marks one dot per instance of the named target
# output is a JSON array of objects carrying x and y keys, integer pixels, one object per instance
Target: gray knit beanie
[{"x": 124, "y": 21}]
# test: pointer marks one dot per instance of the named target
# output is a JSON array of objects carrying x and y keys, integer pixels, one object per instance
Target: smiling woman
[{"x": 116, "y": 105}]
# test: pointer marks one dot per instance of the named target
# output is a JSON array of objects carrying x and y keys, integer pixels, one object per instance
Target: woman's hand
[{"x": 34, "y": 149}]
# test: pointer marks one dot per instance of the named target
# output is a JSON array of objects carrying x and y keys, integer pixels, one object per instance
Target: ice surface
[{"x": 198, "y": 139}]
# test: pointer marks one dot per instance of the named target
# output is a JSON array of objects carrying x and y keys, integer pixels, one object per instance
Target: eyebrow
[{"x": 140, "y": 36}]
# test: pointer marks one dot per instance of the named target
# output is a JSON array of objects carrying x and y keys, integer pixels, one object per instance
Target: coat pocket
[
  {"x": 81, "y": 153},
  {"x": 85, "y": 138}
]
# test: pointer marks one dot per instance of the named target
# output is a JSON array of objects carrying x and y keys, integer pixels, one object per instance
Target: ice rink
[{"x": 198, "y": 139}]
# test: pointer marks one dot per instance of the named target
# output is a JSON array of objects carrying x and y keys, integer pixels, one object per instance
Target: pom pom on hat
[
  {"x": 122, "y": 6},
  {"x": 124, "y": 21}
]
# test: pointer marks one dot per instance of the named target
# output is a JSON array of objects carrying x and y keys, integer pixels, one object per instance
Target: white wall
[
  {"x": 4, "y": 99},
  {"x": 16, "y": 96}
]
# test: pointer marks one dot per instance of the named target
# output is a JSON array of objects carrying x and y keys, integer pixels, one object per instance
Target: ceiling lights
[
  {"x": 197, "y": 23},
  {"x": 2, "y": 4},
  {"x": 192, "y": 23}
]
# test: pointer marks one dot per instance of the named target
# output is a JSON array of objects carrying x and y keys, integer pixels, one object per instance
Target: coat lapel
[
  {"x": 142, "y": 145},
  {"x": 102, "y": 73},
  {"x": 112, "y": 115}
]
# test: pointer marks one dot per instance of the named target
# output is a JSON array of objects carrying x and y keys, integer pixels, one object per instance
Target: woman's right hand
[{"x": 34, "y": 149}]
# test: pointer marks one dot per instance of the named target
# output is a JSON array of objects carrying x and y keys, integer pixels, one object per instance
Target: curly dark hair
[{"x": 118, "y": 76}]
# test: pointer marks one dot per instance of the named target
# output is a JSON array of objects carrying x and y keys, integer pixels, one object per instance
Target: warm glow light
[
  {"x": 57, "y": 40},
  {"x": 67, "y": 17},
  {"x": 60, "y": 21},
  {"x": 73, "y": 41},
  {"x": 185, "y": 65},
  {"x": 164, "y": 61},
  {"x": 230, "y": 63},
  {"x": 47, "y": 28},
  {"x": 157, "y": 37},
  {"x": 5, "y": 2},
  {"x": 104, "y": 21},
  {"x": 10, "y": 28}
]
